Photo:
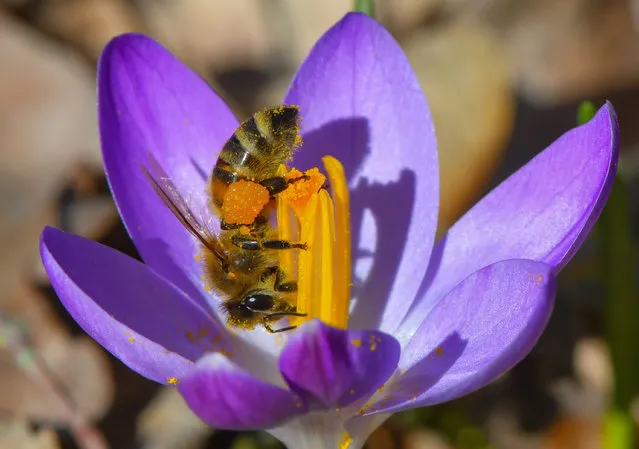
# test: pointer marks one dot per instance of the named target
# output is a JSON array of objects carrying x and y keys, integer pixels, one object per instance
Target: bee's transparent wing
[{"x": 168, "y": 192}]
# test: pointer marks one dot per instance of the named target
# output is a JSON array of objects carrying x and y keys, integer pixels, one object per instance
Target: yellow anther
[
  {"x": 324, "y": 269},
  {"x": 339, "y": 190}
]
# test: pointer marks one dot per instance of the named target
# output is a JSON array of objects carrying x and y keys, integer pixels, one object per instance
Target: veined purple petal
[
  {"x": 149, "y": 102},
  {"x": 331, "y": 367},
  {"x": 226, "y": 396},
  {"x": 542, "y": 212},
  {"x": 361, "y": 102},
  {"x": 481, "y": 329},
  {"x": 126, "y": 307}
]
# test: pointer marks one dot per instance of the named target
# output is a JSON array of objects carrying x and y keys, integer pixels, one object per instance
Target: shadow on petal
[
  {"x": 432, "y": 269},
  {"x": 391, "y": 206},
  {"x": 423, "y": 375},
  {"x": 345, "y": 139}
]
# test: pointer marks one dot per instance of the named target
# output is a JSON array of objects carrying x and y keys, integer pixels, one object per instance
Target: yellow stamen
[
  {"x": 339, "y": 188},
  {"x": 325, "y": 267},
  {"x": 323, "y": 260},
  {"x": 305, "y": 284}
]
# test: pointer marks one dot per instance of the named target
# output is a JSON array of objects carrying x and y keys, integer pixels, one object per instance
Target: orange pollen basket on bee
[
  {"x": 243, "y": 202},
  {"x": 324, "y": 269}
]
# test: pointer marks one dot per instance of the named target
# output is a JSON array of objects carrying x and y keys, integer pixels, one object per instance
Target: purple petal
[
  {"x": 361, "y": 102},
  {"x": 331, "y": 367},
  {"x": 481, "y": 329},
  {"x": 542, "y": 212},
  {"x": 226, "y": 396},
  {"x": 126, "y": 307},
  {"x": 149, "y": 102}
]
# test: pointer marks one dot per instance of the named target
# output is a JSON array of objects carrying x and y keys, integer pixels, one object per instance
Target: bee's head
[
  {"x": 257, "y": 302},
  {"x": 258, "y": 307}
]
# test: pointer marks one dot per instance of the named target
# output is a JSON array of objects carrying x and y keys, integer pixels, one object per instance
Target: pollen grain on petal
[
  {"x": 537, "y": 278},
  {"x": 172, "y": 381},
  {"x": 346, "y": 441},
  {"x": 357, "y": 342},
  {"x": 193, "y": 337},
  {"x": 130, "y": 337},
  {"x": 373, "y": 341}
]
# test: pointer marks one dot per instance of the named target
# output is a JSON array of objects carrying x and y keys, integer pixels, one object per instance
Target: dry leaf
[
  {"x": 16, "y": 435},
  {"x": 564, "y": 50},
  {"x": 48, "y": 124},
  {"x": 89, "y": 24},
  {"x": 218, "y": 35}
]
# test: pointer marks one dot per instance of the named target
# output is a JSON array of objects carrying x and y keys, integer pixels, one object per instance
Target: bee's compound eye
[{"x": 258, "y": 301}]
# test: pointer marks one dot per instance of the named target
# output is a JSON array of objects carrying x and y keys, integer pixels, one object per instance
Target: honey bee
[{"x": 240, "y": 261}]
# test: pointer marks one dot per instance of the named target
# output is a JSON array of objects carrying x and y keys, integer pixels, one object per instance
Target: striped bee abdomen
[{"x": 256, "y": 149}]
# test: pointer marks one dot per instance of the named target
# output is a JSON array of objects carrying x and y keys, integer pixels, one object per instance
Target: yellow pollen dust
[
  {"x": 324, "y": 269},
  {"x": 346, "y": 441},
  {"x": 172, "y": 381},
  {"x": 300, "y": 190}
]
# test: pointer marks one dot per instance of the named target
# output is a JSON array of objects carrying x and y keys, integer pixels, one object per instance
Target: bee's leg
[
  {"x": 268, "y": 327},
  {"x": 275, "y": 185},
  {"x": 279, "y": 285},
  {"x": 229, "y": 226},
  {"x": 246, "y": 242},
  {"x": 283, "y": 244},
  {"x": 299, "y": 178},
  {"x": 250, "y": 243},
  {"x": 276, "y": 331},
  {"x": 270, "y": 271},
  {"x": 257, "y": 223},
  {"x": 278, "y": 184}
]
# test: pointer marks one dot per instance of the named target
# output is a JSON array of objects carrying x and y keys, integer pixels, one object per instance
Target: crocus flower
[{"x": 429, "y": 321}]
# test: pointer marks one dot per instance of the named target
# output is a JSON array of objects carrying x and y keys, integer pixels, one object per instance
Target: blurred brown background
[{"x": 503, "y": 79}]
